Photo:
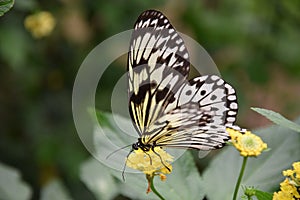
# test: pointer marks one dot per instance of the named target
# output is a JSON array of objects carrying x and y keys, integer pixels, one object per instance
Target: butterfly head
[
  {"x": 135, "y": 146},
  {"x": 140, "y": 145}
]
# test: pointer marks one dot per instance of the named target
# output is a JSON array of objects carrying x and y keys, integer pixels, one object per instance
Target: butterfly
[{"x": 166, "y": 108}]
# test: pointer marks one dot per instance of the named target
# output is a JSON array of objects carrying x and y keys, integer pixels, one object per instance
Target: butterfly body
[{"x": 166, "y": 108}]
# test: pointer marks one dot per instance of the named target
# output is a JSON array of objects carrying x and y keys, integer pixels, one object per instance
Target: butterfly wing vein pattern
[{"x": 167, "y": 109}]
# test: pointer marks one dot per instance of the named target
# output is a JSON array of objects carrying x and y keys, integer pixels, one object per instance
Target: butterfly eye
[{"x": 135, "y": 146}]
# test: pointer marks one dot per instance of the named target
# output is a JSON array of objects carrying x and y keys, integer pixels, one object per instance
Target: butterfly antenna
[
  {"x": 124, "y": 167},
  {"x": 117, "y": 151}
]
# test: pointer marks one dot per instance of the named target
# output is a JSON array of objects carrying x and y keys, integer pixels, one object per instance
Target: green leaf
[
  {"x": 98, "y": 179},
  {"x": 135, "y": 186},
  {"x": 14, "y": 45},
  {"x": 277, "y": 118},
  {"x": 11, "y": 185},
  {"x": 116, "y": 131},
  {"x": 5, "y": 5},
  {"x": 55, "y": 190},
  {"x": 183, "y": 183},
  {"x": 113, "y": 133},
  {"x": 265, "y": 171},
  {"x": 263, "y": 195}
]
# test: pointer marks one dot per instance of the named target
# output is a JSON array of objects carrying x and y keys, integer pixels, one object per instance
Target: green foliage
[
  {"x": 105, "y": 183},
  {"x": 249, "y": 41},
  {"x": 5, "y": 5},
  {"x": 184, "y": 181},
  {"x": 255, "y": 33},
  {"x": 98, "y": 179},
  {"x": 251, "y": 192},
  {"x": 11, "y": 185},
  {"x": 55, "y": 190},
  {"x": 278, "y": 119},
  {"x": 263, "y": 195},
  {"x": 263, "y": 171}
]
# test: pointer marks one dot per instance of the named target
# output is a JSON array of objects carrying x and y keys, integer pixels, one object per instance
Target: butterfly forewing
[
  {"x": 157, "y": 66},
  {"x": 166, "y": 108}
]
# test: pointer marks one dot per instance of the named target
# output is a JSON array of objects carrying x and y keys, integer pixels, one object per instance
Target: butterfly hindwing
[{"x": 204, "y": 107}]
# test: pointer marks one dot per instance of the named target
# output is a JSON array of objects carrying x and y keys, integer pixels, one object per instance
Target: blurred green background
[{"x": 255, "y": 45}]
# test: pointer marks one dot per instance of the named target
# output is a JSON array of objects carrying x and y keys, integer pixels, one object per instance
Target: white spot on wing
[
  {"x": 137, "y": 43},
  {"x": 146, "y": 23},
  {"x": 231, "y": 119},
  {"x": 178, "y": 41},
  {"x": 233, "y": 105},
  {"x": 231, "y": 97},
  {"x": 220, "y": 82},
  {"x": 182, "y": 47},
  {"x": 186, "y": 56},
  {"x": 154, "y": 22}
]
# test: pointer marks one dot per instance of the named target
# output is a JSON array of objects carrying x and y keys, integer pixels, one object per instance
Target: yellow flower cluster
[
  {"x": 40, "y": 24},
  {"x": 290, "y": 187},
  {"x": 247, "y": 143},
  {"x": 151, "y": 162}
]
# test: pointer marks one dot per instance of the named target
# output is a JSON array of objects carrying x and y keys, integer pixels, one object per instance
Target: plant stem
[
  {"x": 153, "y": 188},
  {"x": 237, "y": 186}
]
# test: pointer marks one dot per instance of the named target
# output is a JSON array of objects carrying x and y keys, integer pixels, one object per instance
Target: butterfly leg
[
  {"x": 149, "y": 157},
  {"x": 160, "y": 159}
]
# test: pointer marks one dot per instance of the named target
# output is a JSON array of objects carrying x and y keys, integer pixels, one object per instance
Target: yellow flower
[
  {"x": 290, "y": 187},
  {"x": 150, "y": 162},
  {"x": 282, "y": 196},
  {"x": 287, "y": 187},
  {"x": 40, "y": 24},
  {"x": 296, "y": 166},
  {"x": 247, "y": 143},
  {"x": 288, "y": 172}
]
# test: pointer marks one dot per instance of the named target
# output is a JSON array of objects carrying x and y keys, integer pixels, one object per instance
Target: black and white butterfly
[{"x": 168, "y": 110}]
